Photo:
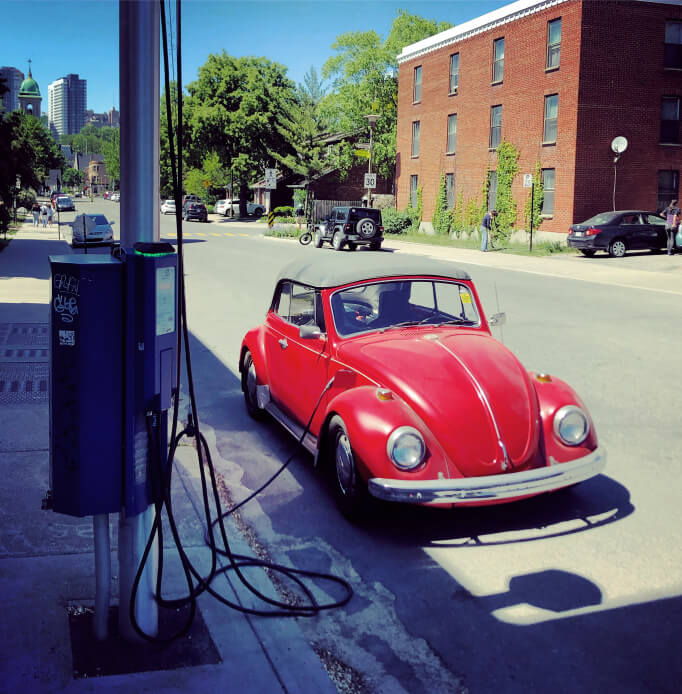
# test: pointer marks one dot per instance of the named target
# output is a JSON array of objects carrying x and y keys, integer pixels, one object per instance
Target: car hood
[{"x": 469, "y": 390}]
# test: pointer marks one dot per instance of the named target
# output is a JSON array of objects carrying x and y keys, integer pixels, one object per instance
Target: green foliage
[
  {"x": 26, "y": 198},
  {"x": 442, "y": 219},
  {"x": 26, "y": 149},
  {"x": 457, "y": 216},
  {"x": 111, "y": 149},
  {"x": 395, "y": 221},
  {"x": 363, "y": 79},
  {"x": 91, "y": 140},
  {"x": 415, "y": 213},
  {"x": 473, "y": 214},
  {"x": 284, "y": 211},
  {"x": 72, "y": 178},
  {"x": 538, "y": 199},
  {"x": 505, "y": 204}
]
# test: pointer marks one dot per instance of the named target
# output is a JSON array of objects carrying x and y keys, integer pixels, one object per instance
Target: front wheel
[
  {"x": 337, "y": 241},
  {"x": 305, "y": 238},
  {"x": 350, "y": 489},
  {"x": 588, "y": 253},
  {"x": 318, "y": 240},
  {"x": 249, "y": 383},
  {"x": 617, "y": 248}
]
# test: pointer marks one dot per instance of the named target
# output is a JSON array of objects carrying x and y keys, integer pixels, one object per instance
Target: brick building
[{"x": 559, "y": 79}]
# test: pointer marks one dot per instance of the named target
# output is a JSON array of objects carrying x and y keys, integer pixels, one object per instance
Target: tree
[
  {"x": 232, "y": 110},
  {"x": 111, "y": 149},
  {"x": 363, "y": 79},
  {"x": 72, "y": 178}
]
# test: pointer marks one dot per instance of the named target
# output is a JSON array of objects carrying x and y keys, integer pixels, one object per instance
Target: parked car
[
  {"x": 231, "y": 208},
  {"x": 116, "y": 197},
  {"x": 350, "y": 227},
  {"x": 195, "y": 211},
  {"x": 168, "y": 207},
  {"x": 63, "y": 203},
  {"x": 386, "y": 369},
  {"x": 91, "y": 228},
  {"x": 78, "y": 194},
  {"x": 616, "y": 233}
]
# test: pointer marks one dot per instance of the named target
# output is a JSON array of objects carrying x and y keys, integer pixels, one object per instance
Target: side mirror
[
  {"x": 497, "y": 319},
  {"x": 309, "y": 332},
  {"x": 112, "y": 221}
]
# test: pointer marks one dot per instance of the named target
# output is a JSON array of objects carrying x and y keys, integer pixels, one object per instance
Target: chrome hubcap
[{"x": 344, "y": 464}]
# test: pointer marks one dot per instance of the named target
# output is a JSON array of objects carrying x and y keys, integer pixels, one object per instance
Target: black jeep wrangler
[{"x": 350, "y": 226}]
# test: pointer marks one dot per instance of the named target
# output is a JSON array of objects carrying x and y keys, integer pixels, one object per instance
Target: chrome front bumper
[{"x": 491, "y": 487}]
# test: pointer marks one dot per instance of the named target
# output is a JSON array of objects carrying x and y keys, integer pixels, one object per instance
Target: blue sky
[{"x": 82, "y": 37}]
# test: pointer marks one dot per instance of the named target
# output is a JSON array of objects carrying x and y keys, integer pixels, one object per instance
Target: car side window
[
  {"x": 655, "y": 219},
  {"x": 630, "y": 219},
  {"x": 302, "y": 310},
  {"x": 283, "y": 301}
]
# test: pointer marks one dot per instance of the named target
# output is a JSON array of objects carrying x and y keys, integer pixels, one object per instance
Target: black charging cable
[{"x": 196, "y": 582}]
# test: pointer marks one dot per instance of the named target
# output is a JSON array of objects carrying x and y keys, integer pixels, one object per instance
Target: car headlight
[
  {"x": 406, "y": 448},
  {"x": 571, "y": 425}
]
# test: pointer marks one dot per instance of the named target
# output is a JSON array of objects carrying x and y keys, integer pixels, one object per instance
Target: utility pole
[{"x": 139, "y": 46}]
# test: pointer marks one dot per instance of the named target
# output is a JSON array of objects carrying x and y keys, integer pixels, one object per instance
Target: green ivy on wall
[
  {"x": 538, "y": 199},
  {"x": 441, "y": 216},
  {"x": 507, "y": 168}
]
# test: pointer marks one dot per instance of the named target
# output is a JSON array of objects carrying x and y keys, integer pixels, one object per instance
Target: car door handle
[{"x": 283, "y": 343}]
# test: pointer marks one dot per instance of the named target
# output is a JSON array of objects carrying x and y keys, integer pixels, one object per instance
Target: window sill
[
  {"x": 670, "y": 144},
  {"x": 493, "y": 84},
  {"x": 450, "y": 154},
  {"x": 492, "y": 149},
  {"x": 547, "y": 216},
  {"x": 552, "y": 69},
  {"x": 414, "y": 156},
  {"x": 414, "y": 103},
  {"x": 453, "y": 93},
  {"x": 548, "y": 144}
]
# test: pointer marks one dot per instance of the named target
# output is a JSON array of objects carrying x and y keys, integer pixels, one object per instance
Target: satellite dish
[{"x": 619, "y": 144}]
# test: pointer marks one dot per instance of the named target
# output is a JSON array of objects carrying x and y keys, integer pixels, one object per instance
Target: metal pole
[
  {"x": 369, "y": 165},
  {"x": 139, "y": 32},
  {"x": 532, "y": 212}
]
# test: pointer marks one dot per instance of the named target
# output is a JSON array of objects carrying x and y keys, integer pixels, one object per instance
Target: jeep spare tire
[{"x": 367, "y": 228}]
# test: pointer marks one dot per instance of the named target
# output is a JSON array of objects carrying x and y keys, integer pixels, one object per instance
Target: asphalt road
[{"x": 574, "y": 592}]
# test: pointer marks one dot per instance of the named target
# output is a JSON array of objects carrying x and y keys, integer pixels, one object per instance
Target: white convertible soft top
[{"x": 326, "y": 269}]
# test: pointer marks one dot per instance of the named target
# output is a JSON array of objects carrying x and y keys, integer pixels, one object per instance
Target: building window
[
  {"x": 670, "y": 120},
  {"x": 551, "y": 114},
  {"x": 673, "y": 45},
  {"x": 450, "y": 189},
  {"x": 414, "y": 182},
  {"x": 417, "y": 91},
  {"x": 495, "y": 126},
  {"x": 553, "y": 43},
  {"x": 668, "y": 188},
  {"x": 415, "y": 138},
  {"x": 548, "y": 187},
  {"x": 454, "y": 73},
  {"x": 492, "y": 189},
  {"x": 498, "y": 60},
  {"x": 452, "y": 134}
]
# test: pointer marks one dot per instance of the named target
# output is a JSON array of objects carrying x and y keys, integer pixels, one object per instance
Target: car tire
[
  {"x": 317, "y": 239},
  {"x": 617, "y": 248},
  {"x": 375, "y": 246},
  {"x": 337, "y": 241},
  {"x": 587, "y": 252},
  {"x": 352, "y": 246},
  {"x": 366, "y": 227},
  {"x": 249, "y": 383},
  {"x": 350, "y": 489}
]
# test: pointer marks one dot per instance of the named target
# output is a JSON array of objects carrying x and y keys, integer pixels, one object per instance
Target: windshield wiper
[{"x": 457, "y": 321}]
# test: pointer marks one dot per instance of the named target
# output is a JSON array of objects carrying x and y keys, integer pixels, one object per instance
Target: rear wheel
[
  {"x": 352, "y": 246},
  {"x": 588, "y": 253},
  {"x": 375, "y": 246},
  {"x": 249, "y": 383},
  {"x": 617, "y": 248},
  {"x": 350, "y": 489}
]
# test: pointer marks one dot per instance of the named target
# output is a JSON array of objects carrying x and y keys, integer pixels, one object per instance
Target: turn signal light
[
  {"x": 592, "y": 232},
  {"x": 384, "y": 394},
  {"x": 543, "y": 378}
]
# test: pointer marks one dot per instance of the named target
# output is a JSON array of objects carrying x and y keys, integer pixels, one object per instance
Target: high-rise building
[
  {"x": 67, "y": 100},
  {"x": 13, "y": 79}
]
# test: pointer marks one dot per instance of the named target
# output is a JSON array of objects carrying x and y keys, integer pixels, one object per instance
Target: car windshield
[
  {"x": 98, "y": 219},
  {"x": 603, "y": 218},
  {"x": 385, "y": 305}
]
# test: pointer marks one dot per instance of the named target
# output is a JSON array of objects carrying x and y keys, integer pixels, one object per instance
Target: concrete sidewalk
[{"x": 47, "y": 582}]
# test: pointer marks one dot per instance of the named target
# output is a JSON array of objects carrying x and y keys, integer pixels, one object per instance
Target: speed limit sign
[{"x": 370, "y": 180}]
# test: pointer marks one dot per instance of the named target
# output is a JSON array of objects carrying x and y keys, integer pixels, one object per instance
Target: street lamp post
[
  {"x": 372, "y": 118},
  {"x": 16, "y": 195}
]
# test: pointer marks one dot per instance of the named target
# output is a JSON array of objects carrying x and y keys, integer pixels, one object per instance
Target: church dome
[{"x": 29, "y": 87}]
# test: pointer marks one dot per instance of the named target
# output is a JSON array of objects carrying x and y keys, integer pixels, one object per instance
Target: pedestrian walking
[
  {"x": 486, "y": 227},
  {"x": 43, "y": 215},
  {"x": 671, "y": 214},
  {"x": 50, "y": 214},
  {"x": 35, "y": 211}
]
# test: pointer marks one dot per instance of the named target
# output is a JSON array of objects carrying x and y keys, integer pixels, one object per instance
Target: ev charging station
[{"x": 114, "y": 340}]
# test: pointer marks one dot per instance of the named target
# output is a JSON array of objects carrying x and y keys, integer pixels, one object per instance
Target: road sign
[
  {"x": 271, "y": 178},
  {"x": 527, "y": 180},
  {"x": 271, "y": 219},
  {"x": 370, "y": 180}
]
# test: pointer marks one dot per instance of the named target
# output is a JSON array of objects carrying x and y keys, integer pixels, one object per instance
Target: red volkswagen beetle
[{"x": 386, "y": 368}]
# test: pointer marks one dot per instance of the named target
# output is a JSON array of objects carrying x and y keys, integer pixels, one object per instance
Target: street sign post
[
  {"x": 271, "y": 178},
  {"x": 528, "y": 183},
  {"x": 527, "y": 180},
  {"x": 370, "y": 180}
]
